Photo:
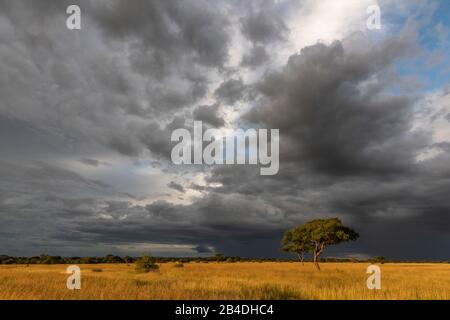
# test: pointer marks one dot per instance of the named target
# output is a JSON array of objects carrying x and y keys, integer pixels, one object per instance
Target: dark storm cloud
[
  {"x": 123, "y": 143},
  {"x": 255, "y": 57},
  {"x": 264, "y": 26},
  {"x": 137, "y": 71},
  {"x": 23, "y": 139},
  {"x": 95, "y": 95},
  {"x": 93, "y": 162},
  {"x": 157, "y": 138},
  {"x": 201, "y": 222},
  {"x": 231, "y": 91},
  {"x": 197, "y": 187},
  {"x": 176, "y": 186},
  {"x": 42, "y": 178},
  {"x": 39, "y": 202},
  {"x": 173, "y": 28},
  {"x": 208, "y": 114},
  {"x": 347, "y": 147},
  {"x": 445, "y": 146},
  {"x": 335, "y": 113},
  {"x": 203, "y": 249}
]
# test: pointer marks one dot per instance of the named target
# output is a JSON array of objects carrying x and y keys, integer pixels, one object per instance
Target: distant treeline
[{"x": 47, "y": 259}]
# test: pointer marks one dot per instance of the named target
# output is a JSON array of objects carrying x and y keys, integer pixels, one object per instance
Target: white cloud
[{"x": 432, "y": 115}]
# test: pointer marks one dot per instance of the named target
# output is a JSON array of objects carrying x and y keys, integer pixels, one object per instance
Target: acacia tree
[
  {"x": 317, "y": 234},
  {"x": 295, "y": 241},
  {"x": 146, "y": 264}
]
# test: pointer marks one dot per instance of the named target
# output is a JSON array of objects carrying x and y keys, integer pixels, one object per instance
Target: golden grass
[{"x": 245, "y": 280}]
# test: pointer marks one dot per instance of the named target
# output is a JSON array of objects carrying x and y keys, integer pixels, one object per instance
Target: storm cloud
[{"x": 86, "y": 118}]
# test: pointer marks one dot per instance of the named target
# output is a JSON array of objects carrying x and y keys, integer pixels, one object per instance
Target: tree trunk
[
  {"x": 316, "y": 260},
  {"x": 301, "y": 257},
  {"x": 319, "y": 247}
]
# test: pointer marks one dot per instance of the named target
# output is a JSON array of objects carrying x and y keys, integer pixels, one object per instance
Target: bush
[
  {"x": 112, "y": 259},
  {"x": 380, "y": 259},
  {"x": 179, "y": 264},
  {"x": 146, "y": 264}
]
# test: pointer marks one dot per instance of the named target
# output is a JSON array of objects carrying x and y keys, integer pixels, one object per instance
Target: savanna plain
[{"x": 215, "y": 280}]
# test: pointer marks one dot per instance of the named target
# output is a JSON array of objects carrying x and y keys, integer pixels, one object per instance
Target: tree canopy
[
  {"x": 295, "y": 240},
  {"x": 313, "y": 236}
]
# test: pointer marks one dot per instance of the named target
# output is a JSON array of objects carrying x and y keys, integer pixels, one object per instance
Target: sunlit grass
[{"x": 244, "y": 280}]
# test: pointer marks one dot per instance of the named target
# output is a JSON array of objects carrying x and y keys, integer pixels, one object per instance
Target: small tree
[
  {"x": 146, "y": 264},
  {"x": 295, "y": 241},
  {"x": 380, "y": 259},
  {"x": 128, "y": 259},
  {"x": 316, "y": 234},
  {"x": 218, "y": 257}
]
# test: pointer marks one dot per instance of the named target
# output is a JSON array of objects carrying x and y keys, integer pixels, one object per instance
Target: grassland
[{"x": 244, "y": 280}]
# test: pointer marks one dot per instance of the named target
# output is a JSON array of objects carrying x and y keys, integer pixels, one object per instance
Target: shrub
[
  {"x": 146, "y": 264},
  {"x": 380, "y": 259},
  {"x": 112, "y": 259},
  {"x": 179, "y": 264}
]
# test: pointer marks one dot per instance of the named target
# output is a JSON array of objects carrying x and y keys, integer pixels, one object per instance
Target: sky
[{"x": 86, "y": 118}]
